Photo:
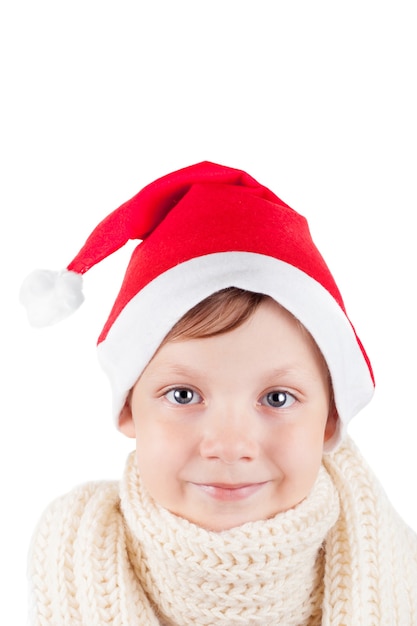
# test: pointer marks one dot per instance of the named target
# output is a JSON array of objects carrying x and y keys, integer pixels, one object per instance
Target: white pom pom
[{"x": 50, "y": 297}]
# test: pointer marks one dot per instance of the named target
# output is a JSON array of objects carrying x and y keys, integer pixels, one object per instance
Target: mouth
[{"x": 230, "y": 492}]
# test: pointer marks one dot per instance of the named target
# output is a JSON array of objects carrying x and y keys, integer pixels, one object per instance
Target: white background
[{"x": 317, "y": 100}]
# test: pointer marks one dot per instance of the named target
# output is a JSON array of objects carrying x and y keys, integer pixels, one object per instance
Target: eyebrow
[
  {"x": 189, "y": 371},
  {"x": 176, "y": 369},
  {"x": 290, "y": 370}
]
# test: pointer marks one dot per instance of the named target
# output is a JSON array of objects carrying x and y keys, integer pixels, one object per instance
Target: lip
[{"x": 228, "y": 492}]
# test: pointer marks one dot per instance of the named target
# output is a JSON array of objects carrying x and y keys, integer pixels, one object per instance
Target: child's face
[{"x": 230, "y": 428}]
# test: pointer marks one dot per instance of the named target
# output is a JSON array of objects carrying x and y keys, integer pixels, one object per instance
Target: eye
[
  {"x": 278, "y": 399},
  {"x": 182, "y": 395}
]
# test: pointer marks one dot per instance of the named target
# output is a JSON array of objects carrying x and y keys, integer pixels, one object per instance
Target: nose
[{"x": 230, "y": 436}]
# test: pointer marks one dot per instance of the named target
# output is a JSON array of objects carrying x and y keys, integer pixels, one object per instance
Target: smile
[{"x": 230, "y": 493}]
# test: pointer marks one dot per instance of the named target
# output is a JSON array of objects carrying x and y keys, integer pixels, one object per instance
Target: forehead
[{"x": 271, "y": 337}]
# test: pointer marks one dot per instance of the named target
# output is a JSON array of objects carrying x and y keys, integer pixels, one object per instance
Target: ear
[
  {"x": 331, "y": 424},
  {"x": 126, "y": 424}
]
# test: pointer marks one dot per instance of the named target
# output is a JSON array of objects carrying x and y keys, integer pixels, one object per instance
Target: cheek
[
  {"x": 160, "y": 446},
  {"x": 156, "y": 463},
  {"x": 298, "y": 450},
  {"x": 161, "y": 456}
]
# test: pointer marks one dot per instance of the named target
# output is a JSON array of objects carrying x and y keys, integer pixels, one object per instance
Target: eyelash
[
  {"x": 280, "y": 401},
  {"x": 182, "y": 390},
  {"x": 185, "y": 396}
]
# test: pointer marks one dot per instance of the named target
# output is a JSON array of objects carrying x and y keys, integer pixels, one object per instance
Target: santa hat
[{"x": 202, "y": 229}]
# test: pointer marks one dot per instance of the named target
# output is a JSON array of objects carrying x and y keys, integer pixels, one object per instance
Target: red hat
[{"x": 204, "y": 228}]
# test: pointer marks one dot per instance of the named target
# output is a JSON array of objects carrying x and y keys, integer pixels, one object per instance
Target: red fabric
[
  {"x": 222, "y": 218},
  {"x": 199, "y": 210},
  {"x": 140, "y": 215}
]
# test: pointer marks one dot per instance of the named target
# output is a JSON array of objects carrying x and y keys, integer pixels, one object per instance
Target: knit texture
[
  {"x": 107, "y": 554},
  {"x": 267, "y": 572}
]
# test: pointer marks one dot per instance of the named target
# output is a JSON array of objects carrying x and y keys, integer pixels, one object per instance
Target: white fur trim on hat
[{"x": 148, "y": 317}]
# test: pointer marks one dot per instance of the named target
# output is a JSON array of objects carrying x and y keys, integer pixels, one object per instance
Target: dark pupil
[
  {"x": 183, "y": 395},
  {"x": 277, "y": 398}
]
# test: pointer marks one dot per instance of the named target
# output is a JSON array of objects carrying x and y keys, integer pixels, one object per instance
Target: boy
[{"x": 235, "y": 367}]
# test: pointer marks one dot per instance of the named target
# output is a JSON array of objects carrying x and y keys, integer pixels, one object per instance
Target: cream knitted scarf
[{"x": 107, "y": 554}]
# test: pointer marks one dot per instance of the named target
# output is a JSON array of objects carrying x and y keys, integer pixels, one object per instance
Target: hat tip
[{"x": 50, "y": 296}]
